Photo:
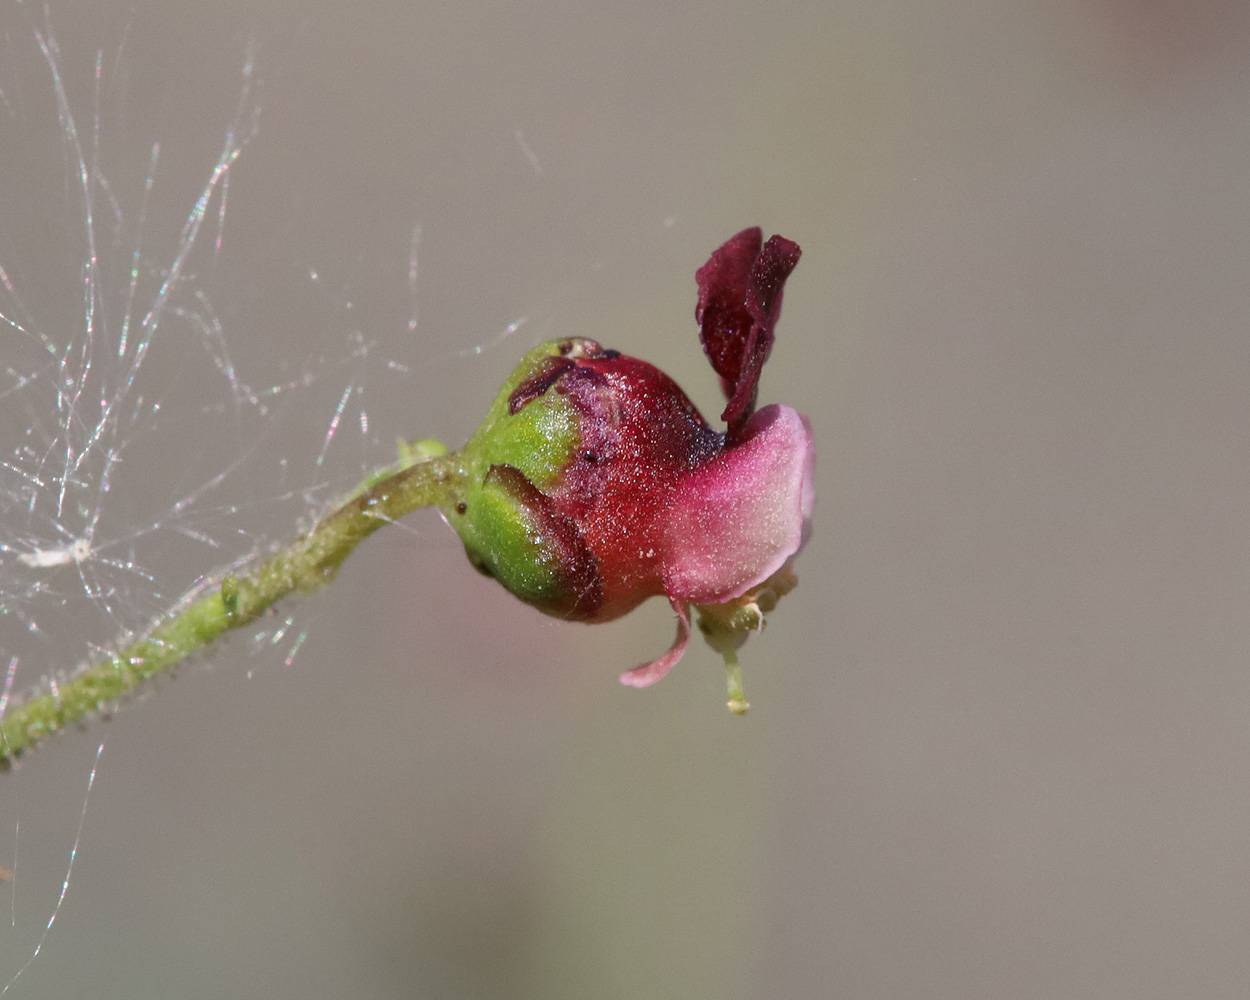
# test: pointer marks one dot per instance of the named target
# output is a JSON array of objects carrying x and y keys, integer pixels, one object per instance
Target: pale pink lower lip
[{"x": 743, "y": 514}]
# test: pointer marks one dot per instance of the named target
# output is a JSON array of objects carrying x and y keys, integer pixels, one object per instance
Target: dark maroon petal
[
  {"x": 561, "y": 537},
  {"x": 724, "y": 322},
  {"x": 763, "y": 302},
  {"x": 740, "y": 290}
]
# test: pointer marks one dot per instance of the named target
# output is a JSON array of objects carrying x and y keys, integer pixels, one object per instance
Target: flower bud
[{"x": 594, "y": 483}]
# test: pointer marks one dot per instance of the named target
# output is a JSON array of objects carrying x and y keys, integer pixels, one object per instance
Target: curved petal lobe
[{"x": 649, "y": 673}]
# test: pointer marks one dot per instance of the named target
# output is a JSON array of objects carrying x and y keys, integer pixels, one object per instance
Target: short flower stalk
[{"x": 592, "y": 485}]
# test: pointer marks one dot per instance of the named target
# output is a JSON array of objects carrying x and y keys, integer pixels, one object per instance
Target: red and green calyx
[{"x": 594, "y": 483}]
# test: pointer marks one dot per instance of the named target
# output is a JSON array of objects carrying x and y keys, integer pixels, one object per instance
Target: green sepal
[
  {"x": 540, "y": 438},
  {"x": 518, "y": 455},
  {"x": 503, "y": 540}
]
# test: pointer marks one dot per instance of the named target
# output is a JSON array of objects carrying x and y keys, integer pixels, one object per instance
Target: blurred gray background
[{"x": 1000, "y": 742}]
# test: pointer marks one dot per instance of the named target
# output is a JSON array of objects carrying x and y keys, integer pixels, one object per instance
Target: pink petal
[
  {"x": 738, "y": 518},
  {"x": 649, "y": 673}
]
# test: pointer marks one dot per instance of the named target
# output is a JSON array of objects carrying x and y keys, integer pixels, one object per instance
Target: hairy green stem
[{"x": 305, "y": 565}]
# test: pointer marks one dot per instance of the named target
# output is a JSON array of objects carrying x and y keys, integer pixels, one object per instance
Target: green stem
[
  {"x": 738, "y": 703},
  {"x": 306, "y": 564}
]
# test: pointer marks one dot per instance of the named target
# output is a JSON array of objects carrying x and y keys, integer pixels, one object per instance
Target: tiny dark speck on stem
[{"x": 461, "y": 507}]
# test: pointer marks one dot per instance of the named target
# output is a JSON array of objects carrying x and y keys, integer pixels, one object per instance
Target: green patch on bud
[
  {"x": 539, "y": 438},
  {"x": 509, "y": 527},
  {"x": 503, "y": 540}
]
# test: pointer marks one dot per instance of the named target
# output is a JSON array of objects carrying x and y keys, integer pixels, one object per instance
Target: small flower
[{"x": 594, "y": 483}]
